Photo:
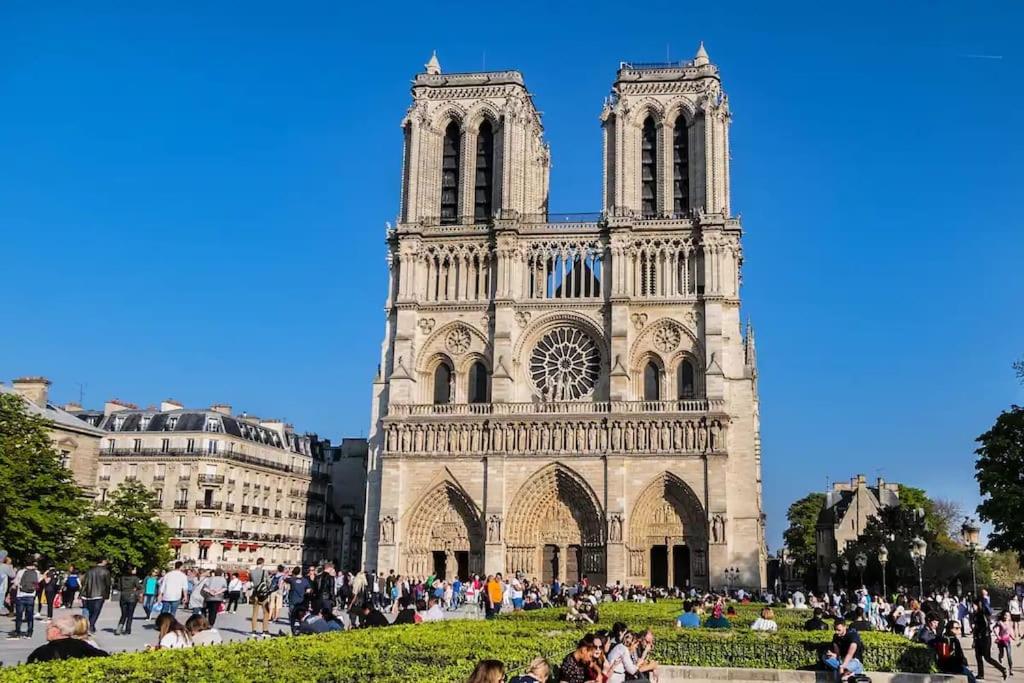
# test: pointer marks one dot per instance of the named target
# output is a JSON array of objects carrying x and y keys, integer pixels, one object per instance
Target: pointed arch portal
[
  {"x": 444, "y": 535},
  {"x": 668, "y": 542},
  {"x": 555, "y": 528}
]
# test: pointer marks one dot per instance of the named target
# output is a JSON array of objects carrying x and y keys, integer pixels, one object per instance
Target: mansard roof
[
  {"x": 60, "y": 418},
  {"x": 193, "y": 420}
]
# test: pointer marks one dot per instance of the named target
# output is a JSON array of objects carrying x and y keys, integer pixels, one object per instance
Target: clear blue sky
[{"x": 193, "y": 198}]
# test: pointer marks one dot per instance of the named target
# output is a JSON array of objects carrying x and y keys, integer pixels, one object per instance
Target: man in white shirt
[{"x": 173, "y": 589}]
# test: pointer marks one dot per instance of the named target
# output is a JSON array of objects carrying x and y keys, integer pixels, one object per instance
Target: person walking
[
  {"x": 213, "y": 594},
  {"x": 6, "y": 584},
  {"x": 151, "y": 586},
  {"x": 96, "y": 585},
  {"x": 173, "y": 589},
  {"x": 50, "y": 587},
  {"x": 260, "y": 598},
  {"x": 26, "y": 580},
  {"x": 982, "y": 632},
  {"x": 130, "y": 593},
  {"x": 70, "y": 587},
  {"x": 234, "y": 592},
  {"x": 1004, "y": 637}
]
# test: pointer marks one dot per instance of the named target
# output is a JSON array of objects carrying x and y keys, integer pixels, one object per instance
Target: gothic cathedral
[{"x": 567, "y": 395}]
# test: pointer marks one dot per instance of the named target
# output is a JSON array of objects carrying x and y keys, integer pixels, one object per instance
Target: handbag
[{"x": 57, "y": 600}]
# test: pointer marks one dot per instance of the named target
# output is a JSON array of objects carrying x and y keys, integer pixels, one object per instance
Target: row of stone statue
[{"x": 594, "y": 436}]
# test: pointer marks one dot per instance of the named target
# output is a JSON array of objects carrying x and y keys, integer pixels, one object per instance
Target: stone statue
[
  {"x": 615, "y": 528},
  {"x": 387, "y": 530},
  {"x": 494, "y": 529}
]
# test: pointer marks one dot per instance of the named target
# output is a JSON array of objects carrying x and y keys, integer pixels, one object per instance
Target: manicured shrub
[{"x": 447, "y": 651}]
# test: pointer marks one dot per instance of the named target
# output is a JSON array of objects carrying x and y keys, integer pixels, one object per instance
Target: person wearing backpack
[
  {"x": 260, "y": 598},
  {"x": 26, "y": 581}
]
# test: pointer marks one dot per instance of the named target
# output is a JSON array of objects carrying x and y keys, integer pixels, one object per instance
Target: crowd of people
[{"x": 319, "y": 599}]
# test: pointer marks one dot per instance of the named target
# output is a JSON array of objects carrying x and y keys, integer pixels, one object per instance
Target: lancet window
[
  {"x": 652, "y": 382},
  {"x": 687, "y": 380},
  {"x": 456, "y": 273},
  {"x": 665, "y": 268},
  {"x": 450, "y": 174},
  {"x": 649, "y": 169},
  {"x": 680, "y": 168},
  {"x": 484, "y": 172},
  {"x": 478, "y": 389},
  {"x": 557, "y": 270},
  {"x": 443, "y": 383}
]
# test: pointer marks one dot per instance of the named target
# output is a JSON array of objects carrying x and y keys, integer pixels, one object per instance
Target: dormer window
[
  {"x": 119, "y": 422},
  {"x": 144, "y": 423},
  {"x": 212, "y": 424},
  {"x": 172, "y": 422}
]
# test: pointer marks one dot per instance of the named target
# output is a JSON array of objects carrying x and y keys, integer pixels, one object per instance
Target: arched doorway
[
  {"x": 444, "y": 535},
  {"x": 667, "y": 535},
  {"x": 555, "y": 529}
]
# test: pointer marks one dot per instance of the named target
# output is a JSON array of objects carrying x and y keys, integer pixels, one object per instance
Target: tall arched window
[
  {"x": 652, "y": 382},
  {"x": 450, "y": 174},
  {"x": 680, "y": 167},
  {"x": 484, "y": 171},
  {"x": 442, "y": 384},
  {"x": 649, "y": 169},
  {"x": 687, "y": 385},
  {"x": 478, "y": 389}
]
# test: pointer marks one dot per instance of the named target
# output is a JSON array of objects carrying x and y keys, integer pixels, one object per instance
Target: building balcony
[
  {"x": 184, "y": 477},
  {"x": 171, "y": 453},
  {"x": 245, "y": 509},
  {"x": 209, "y": 507},
  {"x": 181, "y": 505},
  {"x": 266, "y": 512},
  {"x": 296, "y": 493},
  {"x": 158, "y": 477},
  {"x": 231, "y": 482},
  {"x": 278, "y": 514},
  {"x": 229, "y": 507},
  {"x": 104, "y": 477},
  {"x": 212, "y": 479}
]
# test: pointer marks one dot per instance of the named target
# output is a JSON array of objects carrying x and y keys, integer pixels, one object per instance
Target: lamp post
[
  {"x": 883, "y": 559},
  {"x": 831, "y": 578},
  {"x": 969, "y": 533},
  {"x": 918, "y": 551},
  {"x": 862, "y": 562},
  {"x": 789, "y": 561},
  {"x": 846, "y": 573}
]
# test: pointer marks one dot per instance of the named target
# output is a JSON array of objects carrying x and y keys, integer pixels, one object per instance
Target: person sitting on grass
[
  {"x": 201, "y": 632},
  {"x": 689, "y": 617},
  {"x": 487, "y": 671},
  {"x": 172, "y": 635},
  {"x": 816, "y": 623},
  {"x": 61, "y": 643},
  {"x": 716, "y": 620},
  {"x": 846, "y": 652},
  {"x": 766, "y": 622},
  {"x": 538, "y": 672}
]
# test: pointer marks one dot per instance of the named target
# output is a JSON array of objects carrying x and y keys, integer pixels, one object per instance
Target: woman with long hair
[
  {"x": 172, "y": 635},
  {"x": 1004, "y": 638},
  {"x": 488, "y": 671}
]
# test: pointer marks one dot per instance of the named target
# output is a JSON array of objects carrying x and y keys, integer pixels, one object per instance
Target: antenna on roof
[{"x": 81, "y": 394}]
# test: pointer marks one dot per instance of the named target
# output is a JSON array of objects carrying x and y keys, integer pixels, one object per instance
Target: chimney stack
[
  {"x": 861, "y": 480},
  {"x": 222, "y": 408},
  {"x": 34, "y": 389},
  {"x": 114, "y": 405},
  {"x": 73, "y": 407},
  {"x": 170, "y": 404}
]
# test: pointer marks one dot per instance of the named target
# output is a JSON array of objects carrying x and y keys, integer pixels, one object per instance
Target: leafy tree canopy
[
  {"x": 799, "y": 536},
  {"x": 127, "y": 531},
  {"x": 999, "y": 471},
  {"x": 41, "y": 506}
]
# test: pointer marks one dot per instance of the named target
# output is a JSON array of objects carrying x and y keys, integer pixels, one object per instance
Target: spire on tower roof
[
  {"x": 433, "y": 66},
  {"x": 749, "y": 348},
  {"x": 702, "y": 56}
]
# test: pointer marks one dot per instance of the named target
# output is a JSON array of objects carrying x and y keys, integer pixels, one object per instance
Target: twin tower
[{"x": 562, "y": 396}]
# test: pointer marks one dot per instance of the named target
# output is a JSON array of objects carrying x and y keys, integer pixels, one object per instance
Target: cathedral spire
[
  {"x": 749, "y": 348},
  {"x": 433, "y": 67},
  {"x": 701, "y": 59}
]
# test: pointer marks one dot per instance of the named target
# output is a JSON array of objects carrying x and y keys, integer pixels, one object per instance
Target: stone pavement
[{"x": 232, "y": 627}]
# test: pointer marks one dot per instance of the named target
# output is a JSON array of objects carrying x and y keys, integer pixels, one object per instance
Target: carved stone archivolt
[
  {"x": 444, "y": 520},
  {"x": 675, "y": 436},
  {"x": 667, "y": 512},
  {"x": 555, "y": 507}
]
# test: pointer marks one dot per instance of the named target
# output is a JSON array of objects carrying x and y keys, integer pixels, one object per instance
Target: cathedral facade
[{"x": 567, "y": 395}]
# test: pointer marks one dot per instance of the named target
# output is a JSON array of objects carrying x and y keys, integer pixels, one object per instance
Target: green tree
[
  {"x": 999, "y": 471},
  {"x": 42, "y": 508},
  {"x": 127, "y": 531},
  {"x": 799, "y": 536}
]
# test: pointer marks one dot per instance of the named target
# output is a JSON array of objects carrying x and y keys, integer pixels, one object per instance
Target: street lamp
[
  {"x": 846, "y": 572},
  {"x": 862, "y": 562},
  {"x": 918, "y": 551},
  {"x": 831, "y": 578},
  {"x": 969, "y": 533},
  {"x": 883, "y": 559}
]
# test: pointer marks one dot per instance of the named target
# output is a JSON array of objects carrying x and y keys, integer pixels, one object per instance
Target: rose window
[
  {"x": 458, "y": 340},
  {"x": 666, "y": 338},
  {"x": 565, "y": 364}
]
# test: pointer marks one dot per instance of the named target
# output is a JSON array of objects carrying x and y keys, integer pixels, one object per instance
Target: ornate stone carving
[
  {"x": 639, "y": 320},
  {"x": 523, "y": 318},
  {"x": 387, "y": 530},
  {"x": 426, "y": 325},
  {"x": 494, "y": 529},
  {"x": 458, "y": 341},
  {"x": 615, "y": 528},
  {"x": 667, "y": 337},
  {"x": 718, "y": 529},
  {"x": 565, "y": 364}
]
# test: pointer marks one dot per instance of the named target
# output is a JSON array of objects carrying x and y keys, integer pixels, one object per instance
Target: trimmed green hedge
[{"x": 447, "y": 651}]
